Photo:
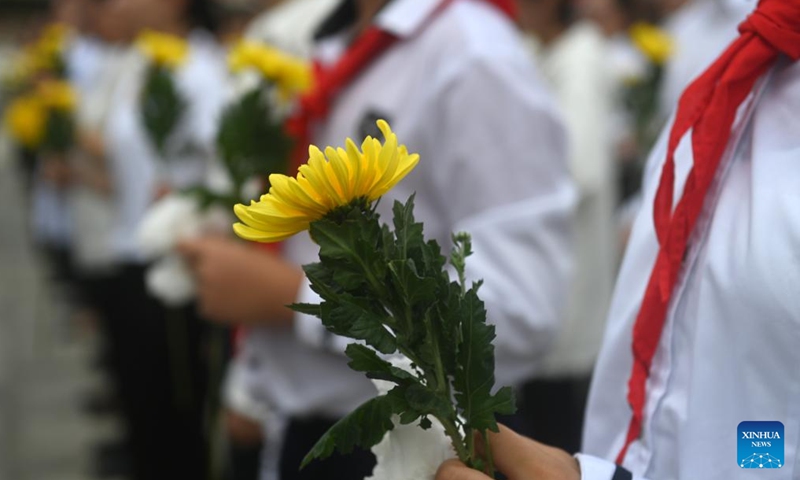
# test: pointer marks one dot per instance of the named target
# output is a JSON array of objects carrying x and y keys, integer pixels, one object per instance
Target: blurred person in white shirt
[
  {"x": 162, "y": 383},
  {"x": 288, "y": 25},
  {"x": 572, "y": 54},
  {"x": 51, "y": 223}
]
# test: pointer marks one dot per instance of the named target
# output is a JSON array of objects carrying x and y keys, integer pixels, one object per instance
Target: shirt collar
[{"x": 399, "y": 17}]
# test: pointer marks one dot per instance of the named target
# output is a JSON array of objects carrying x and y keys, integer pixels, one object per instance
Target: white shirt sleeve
[{"x": 509, "y": 186}]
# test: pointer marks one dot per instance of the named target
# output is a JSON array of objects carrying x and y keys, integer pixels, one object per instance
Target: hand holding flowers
[{"x": 42, "y": 120}]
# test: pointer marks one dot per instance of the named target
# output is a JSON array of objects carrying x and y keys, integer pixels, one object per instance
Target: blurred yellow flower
[
  {"x": 653, "y": 42},
  {"x": 57, "y": 94},
  {"x": 42, "y": 56},
  {"x": 163, "y": 49},
  {"x": 291, "y": 75},
  {"x": 327, "y": 181},
  {"x": 19, "y": 72},
  {"x": 55, "y": 34},
  {"x": 25, "y": 119},
  {"x": 53, "y": 40}
]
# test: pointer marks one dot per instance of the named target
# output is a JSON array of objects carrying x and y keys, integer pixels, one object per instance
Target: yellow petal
[{"x": 327, "y": 181}]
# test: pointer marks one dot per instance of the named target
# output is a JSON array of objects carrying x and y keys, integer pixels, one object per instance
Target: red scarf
[
  {"x": 708, "y": 107},
  {"x": 328, "y": 82}
]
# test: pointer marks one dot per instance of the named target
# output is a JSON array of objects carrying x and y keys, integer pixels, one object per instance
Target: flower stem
[
  {"x": 488, "y": 453},
  {"x": 441, "y": 381},
  {"x": 470, "y": 439},
  {"x": 451, "y": 431}
]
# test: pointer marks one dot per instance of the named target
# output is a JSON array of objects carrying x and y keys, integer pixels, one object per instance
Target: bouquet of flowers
[
  {"x": 42, "y": 58},
  {"x": 161, "y": 103},
  {"x": 39, "y": 117},
  {"x": 252, "y": 144},
  {"x": 42, "y": 120},
  {"x": 252, "y": 141},
  {"x": 47, "y": 54},
  {"x": 389, "y": 289}
]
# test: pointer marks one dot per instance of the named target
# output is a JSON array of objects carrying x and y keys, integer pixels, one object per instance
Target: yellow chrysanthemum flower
[
  {"x": 163, "y": 49},
  {"x": 291, "y": 75},
  {"x": 57, "y": 94},
  {"x": 55, "y": 34},
  {"x": 653, "y": 42},
  {"x": 53, "y": 40},
  {"x": 20, "y": 72},
  {"x": 330, "y": 180},
  {"x": 41, "y": 56},
  {"x": 25, "y": 120}
]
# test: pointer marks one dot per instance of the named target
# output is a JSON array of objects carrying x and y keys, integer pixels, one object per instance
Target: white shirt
[
  {"x": 93, "y": 213},
  {"x": 85, "y": 58},
  {"x": 290, "y": 25},
  {"x": 465, "y": 95},
  {"x": 729, "y": 350},
  {"x": 575, "y": 66},
  {"x": 135, "y": 166},
  {"x": 701, "y": 30}
]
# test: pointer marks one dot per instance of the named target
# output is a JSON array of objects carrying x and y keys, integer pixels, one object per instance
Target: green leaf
[
  {"x": 162, "y": 106},
  {"x": 407, "y": 232},
  {"x": 502, "y": 403},
  {"x": 59, "y": 134},
  {"x": 352, "y": 320},
  {"x": 307, "y": 308},
  {"x": 251, "y": 140},
  {"x": 362, "y": 359},
  {"x": 348, "y": 280},
  {"x": 425, "y": 423},
  {"x": 474, "y": 379},
  {"x": 423, "y": 400},
  {"x": 351, "y": 247},
  {"x": 410, "y": 241},
  {"x": 321, "y": 280},
  {"x": 344, "y": 241},
  {"x": 365, "y": 427},
  {"x": 413, "y": 288},
  {"x": 449, "y": 315}
]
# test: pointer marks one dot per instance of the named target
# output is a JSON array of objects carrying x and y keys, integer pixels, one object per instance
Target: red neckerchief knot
[{"x": 329, "y": 81}]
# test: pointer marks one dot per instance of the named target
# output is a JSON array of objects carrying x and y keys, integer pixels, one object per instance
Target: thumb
[
  {"x": 455, "y": 470},
  {"x": 512, "y": 452},
  {"x": 519, "y": 457}
]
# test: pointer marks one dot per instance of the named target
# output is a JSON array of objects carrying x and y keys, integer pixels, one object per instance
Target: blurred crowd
[{"x": 612, "y": 70}]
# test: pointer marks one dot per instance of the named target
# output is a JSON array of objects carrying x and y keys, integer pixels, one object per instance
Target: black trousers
[
  {"x": 553, "y": 411},
  {"x": 301, "y": 436},
  {"x": 244, "y": 462},
  {"x": 159, "y": 365}
]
